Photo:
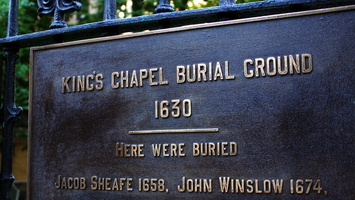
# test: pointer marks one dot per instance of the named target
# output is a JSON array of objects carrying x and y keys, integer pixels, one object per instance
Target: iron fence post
[
  {"x": 10, "y": 112},
  {"x": 110, "y": 10},
  {"x": 163, "y": 6},
  {"x": 226, "y": 2},
  {"x": 10, "y": 116}
]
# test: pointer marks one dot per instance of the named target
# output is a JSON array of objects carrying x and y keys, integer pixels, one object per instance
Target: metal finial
[{"x": 57, "y": 8}]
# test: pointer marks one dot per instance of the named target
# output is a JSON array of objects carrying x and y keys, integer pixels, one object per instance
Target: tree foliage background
[{"x": 29, "y": 22}]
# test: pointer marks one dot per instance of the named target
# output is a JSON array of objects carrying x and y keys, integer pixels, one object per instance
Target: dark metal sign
[{"x": 259, "y": 108}]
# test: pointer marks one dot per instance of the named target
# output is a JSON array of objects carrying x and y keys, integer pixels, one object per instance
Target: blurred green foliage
[{"x": 29, "y": 22}]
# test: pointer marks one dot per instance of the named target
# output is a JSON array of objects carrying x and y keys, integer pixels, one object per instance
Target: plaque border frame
[{"x": 157, "y": 32}]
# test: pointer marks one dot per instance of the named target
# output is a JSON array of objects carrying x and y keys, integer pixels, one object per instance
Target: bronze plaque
[{"x": 259, "y": 108}]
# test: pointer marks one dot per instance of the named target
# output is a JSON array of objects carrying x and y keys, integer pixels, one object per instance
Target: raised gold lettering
[
  {"x": 134, "y": 81},
  {"x": 161, "y": 78},
  {"x": 229, "y": 185},
  {"x": 152, "y": 76},
  {"x": 65, "y": 86},
  {"x": 195, "y": 185},
  {"x": 214, "y": 72},
  {"x": 201, "y": 72},
  {"x": 191, "y": 76},
  {"x": 301, "y": 64},
  {"x": 294, "y": 64},
  {"x": 80, "y": 83},
  {"x": 180, "y": 74},
  {"x": 248, "y": 73},
  {"x": 215, "y": 149},
  {"x": 307, "y": 60},
  {"x": 168, "y": 150},
  {"x": 143, "y": 74},
  {"x": 129, "y": 150}
]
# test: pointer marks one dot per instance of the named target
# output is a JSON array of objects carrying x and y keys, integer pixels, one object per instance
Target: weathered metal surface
[{"x": 292, "y": 130}]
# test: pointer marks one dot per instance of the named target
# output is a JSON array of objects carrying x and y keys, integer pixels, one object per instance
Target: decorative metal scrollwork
[{"x": 57, "y": 8}]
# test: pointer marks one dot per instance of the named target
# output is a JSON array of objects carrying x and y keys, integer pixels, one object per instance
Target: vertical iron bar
[
  {"x": 10, "y": 112},
  {"x": 10, "y": 116},
  {"x": 163, "y": 6},
  {"x": 58, "y": 21},
  {"x": 1, "y": 92},
  {"x": 12, "y": 18},
  {"x": 110, "y": 10},
  {"x": 1, "y": 89},
  {"x": 226, "y": 2}
]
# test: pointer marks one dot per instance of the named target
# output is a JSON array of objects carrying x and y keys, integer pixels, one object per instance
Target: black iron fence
[{"x": 165, "y": 17}]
